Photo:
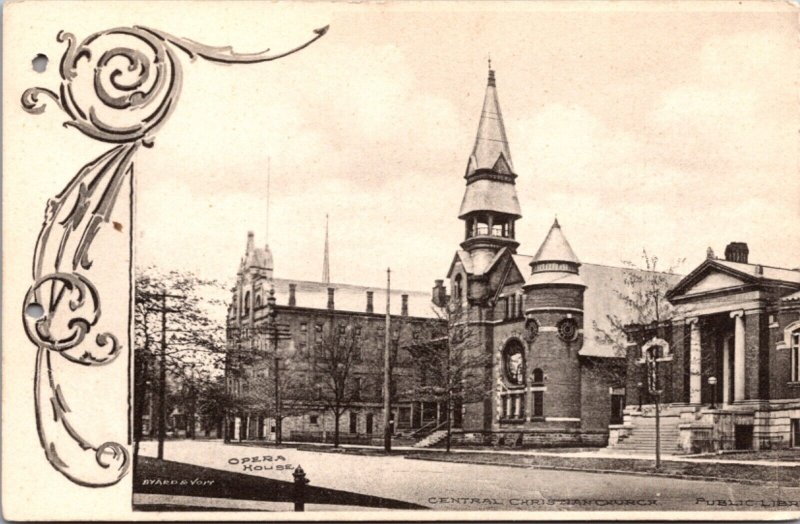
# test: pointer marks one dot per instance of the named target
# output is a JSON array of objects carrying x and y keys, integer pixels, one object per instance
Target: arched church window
[
  {"x": 246, "y": 308},
  {"x": 538, "y": 376},
  {"x": 514, "y": 363},
  {"x": 258, "y": 301}
]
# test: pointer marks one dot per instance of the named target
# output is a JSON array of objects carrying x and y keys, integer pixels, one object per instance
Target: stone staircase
[
  {"x": 432, "y": 439},
  {"x": 641, "y": 437}
]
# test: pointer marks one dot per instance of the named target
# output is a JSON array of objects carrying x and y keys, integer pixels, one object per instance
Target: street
[{"x": 453, "y": 486}]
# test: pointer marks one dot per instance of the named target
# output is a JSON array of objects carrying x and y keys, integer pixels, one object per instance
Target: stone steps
[{"x": 642, "y": 436}]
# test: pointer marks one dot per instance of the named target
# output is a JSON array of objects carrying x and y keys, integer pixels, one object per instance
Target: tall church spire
[
  {"x": 326, "y": 268},
  {"x": 490, "y": 206},
  {"x": 491, "y": 149}
]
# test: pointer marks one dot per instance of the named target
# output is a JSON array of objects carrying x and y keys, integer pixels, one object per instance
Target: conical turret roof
[
  {"x": 555, "y": 264},
  {"x": 555, "y": 247},
  {"x": 491, "y": 149}
]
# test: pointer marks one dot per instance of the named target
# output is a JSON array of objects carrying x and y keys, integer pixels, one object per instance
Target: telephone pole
[
  {"x": 387, "y": 381},
  {"x": 162, "y": 368}
]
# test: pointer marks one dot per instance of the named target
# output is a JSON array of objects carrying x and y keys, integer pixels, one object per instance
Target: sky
[{"x": 666, "y": 131}]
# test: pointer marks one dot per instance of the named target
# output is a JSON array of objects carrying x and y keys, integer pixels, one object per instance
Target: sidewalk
[{"x": 601, "y": 453}]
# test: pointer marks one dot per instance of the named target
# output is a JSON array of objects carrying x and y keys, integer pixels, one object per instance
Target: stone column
[
  {"x": 726, "y": 371},
  {"x": 695, "y": 362},
  {"x": 738, "y": 355}
]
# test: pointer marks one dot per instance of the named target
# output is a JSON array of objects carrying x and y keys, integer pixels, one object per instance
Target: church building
[{"x": 551, "y": 382}]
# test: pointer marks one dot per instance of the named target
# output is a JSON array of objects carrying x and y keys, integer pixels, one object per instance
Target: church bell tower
[{"x": 490, "y": 206}]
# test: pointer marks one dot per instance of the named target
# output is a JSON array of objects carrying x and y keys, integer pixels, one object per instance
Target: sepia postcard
[{"x": 292, "y": 261}]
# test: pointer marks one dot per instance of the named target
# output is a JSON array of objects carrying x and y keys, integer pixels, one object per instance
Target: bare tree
[
  {"x": 451, "y": 366},
  {"x": 644, "y": 297},
  {"x": 329, "y": 366}
]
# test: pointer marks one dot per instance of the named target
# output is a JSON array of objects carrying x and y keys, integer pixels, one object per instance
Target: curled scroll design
[{"x": 118, "y": 86}]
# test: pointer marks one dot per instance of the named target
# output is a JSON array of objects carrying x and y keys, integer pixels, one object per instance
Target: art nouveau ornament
[{"x": 118, "y": 86}]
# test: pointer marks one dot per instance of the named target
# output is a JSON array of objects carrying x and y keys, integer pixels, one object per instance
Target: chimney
[
  {"x": 292, "y": 297},
  {"x": 737, "y": 252},
  {"x": 404, "y": 307},
  {"x": 439, "y": 293},
  {"x": 370, "y": 308},
  {"x": 330, "y": 297}
]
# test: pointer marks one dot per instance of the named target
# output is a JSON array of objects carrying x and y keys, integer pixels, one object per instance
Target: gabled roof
[
  {"x": 491, "y": 141},
  {"x": 465, "y": 259},
  {"x": 555, "y": 247},
  {"x": 601, "y": 299},
  {"x": 738, "y": 273}
]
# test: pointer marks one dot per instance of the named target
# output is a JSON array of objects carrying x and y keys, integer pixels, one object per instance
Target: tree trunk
[
  {"x": 449, "y": 421},
  {"x": 336, "y": 416}
]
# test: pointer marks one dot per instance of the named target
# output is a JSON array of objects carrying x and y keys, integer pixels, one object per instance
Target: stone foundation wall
[{"x": 555, "y": 438}]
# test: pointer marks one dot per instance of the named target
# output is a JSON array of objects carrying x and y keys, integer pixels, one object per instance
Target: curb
[{"x": 619, "y": 472}]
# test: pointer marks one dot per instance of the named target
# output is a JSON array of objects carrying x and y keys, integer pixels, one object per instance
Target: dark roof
[{"x": 600, "y": 300}]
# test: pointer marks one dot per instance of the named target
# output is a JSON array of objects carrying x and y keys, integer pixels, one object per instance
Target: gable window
[{"x": 457, "y": 286}]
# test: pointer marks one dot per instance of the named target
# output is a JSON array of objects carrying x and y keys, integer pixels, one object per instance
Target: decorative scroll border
[{"x": 118, "y": 86}]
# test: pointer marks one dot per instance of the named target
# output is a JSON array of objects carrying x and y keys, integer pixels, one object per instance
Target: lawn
[
  {"x": 773, "y": 475},
  {"x": 777, "y": 455}
]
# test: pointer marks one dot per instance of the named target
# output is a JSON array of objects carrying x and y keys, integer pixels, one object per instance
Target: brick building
[
  {"x": 728, "y": 360},
  {"x": 306, "y": 313},
  {"x": 551, "y": 382}
]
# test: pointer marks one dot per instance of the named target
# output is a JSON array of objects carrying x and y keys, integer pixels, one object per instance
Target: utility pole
[
  {"x": 658, "y": 430},
  {"x": 387, "y": 382},
  {"x": 162, "y": 380},
  {"x": 162, "y": 368}
]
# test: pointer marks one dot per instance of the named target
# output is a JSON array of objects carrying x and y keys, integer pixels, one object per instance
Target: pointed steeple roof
[
  {"x": 555, "y": 247},
  {"x": 490, "y": 173},
  {"x": 555, "y": 264},
  {"x": 491, "y": 142}
]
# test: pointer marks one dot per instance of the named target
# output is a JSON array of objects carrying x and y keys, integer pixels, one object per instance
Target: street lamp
[
  {"x": 712, "y": 381},
  {"x": 639, "y": 387}
]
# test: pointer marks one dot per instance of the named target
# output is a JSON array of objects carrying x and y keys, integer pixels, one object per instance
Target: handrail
[
  {"x": 422, "y": 428},
  {"x": 436, "y": 427}
]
